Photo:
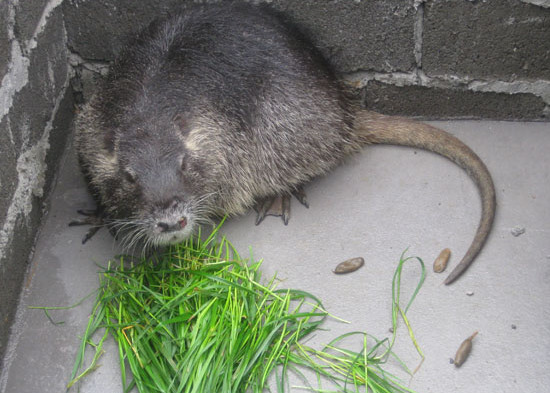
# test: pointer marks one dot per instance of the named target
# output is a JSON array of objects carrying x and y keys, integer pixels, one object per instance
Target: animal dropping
[
  {"x": 217, "y": 108},
  {"x": 464, "y": 351},
  {"x": 349, "y": 265},
  {"x": 441, "y": 261}
]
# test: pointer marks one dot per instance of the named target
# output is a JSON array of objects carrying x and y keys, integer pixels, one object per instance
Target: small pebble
[
  {"x": 464, "y": 351},
  {"x": 470, "y": 293},
  {"x": 390, "y": 330},
  {"x": 349, "y": 265},
  {"x": 514, "y": 327},
  {"x": 441, "y": 261},
  {"x": 518, "y": 231},
  {"x": 451, "y": 361}
]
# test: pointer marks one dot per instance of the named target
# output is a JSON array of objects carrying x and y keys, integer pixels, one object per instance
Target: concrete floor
[{"x": 379, "y": 203}]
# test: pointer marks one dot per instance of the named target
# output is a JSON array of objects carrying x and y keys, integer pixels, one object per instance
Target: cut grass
[{"x": 198, "y": 320}]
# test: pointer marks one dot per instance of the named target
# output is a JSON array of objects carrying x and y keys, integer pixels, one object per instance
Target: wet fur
[{"x": 212, "y": 109}]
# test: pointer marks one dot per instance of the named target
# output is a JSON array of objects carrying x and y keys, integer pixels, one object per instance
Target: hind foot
[
  {"x": 95, "y": 218},
  {"x": 279, "y": 206}
]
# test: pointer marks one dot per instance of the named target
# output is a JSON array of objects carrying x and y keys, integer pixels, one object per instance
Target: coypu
[{"x": 218, "y": 108}]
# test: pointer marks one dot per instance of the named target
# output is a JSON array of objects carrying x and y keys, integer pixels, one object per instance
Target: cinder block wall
[{"x": 422, "y": 58}]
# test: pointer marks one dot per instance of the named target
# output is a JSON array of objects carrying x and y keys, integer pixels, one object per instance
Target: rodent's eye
[{"x": 130, "y": 177}]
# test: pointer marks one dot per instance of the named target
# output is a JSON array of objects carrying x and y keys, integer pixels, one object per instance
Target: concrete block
[
  {"x": 27, "y": 18},
  {"x": 352, "y": 35},
  {"x": 500, "y": 39},
  {"x": 97, "y": 30},
  {"x": 5, "y": 58},
  {"x": 357, "y": 35},
  {"x": 438, "y": 103},
  {"x": 29, "y": 114},
  {"x": 8, "y": 174},
  {"x": 10, "y": 287},
  {"x": 49, "y": 59},
  {"x": 47, "y": 75}
]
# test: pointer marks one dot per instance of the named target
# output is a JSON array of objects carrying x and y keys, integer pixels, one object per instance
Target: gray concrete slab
[{"x": 381, "y": 202}]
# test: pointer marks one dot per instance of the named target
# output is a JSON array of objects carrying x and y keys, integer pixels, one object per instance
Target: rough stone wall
[
  {"x": 422, "y": 58},
  {"x": 35, "y": 116}
]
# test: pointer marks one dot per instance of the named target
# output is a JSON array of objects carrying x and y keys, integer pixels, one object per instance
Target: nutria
[{"x": 218, "y": 108}]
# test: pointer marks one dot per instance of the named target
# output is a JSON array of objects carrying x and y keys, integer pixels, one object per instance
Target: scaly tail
[{"x": 373, "y": 127}]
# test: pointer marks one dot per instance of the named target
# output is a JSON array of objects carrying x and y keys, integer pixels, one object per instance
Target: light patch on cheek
[{"x": 194, "y": 139}]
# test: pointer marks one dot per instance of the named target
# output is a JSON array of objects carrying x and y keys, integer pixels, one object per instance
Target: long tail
[{"x": 380, "y": 129}]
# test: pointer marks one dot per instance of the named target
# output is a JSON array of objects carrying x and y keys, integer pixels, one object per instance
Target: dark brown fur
[{"x": 219, "y": 106}]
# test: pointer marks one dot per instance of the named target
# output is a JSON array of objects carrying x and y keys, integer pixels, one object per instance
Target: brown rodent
[{"x": 217, "y": 107}]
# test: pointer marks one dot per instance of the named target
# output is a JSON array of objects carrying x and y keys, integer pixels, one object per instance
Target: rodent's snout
[
  {"x": 171, "y": 223},
  {"x": 166, "y": 227}
]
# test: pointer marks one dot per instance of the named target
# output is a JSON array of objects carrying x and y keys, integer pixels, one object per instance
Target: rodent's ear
[{"x": 109, "y": 141}]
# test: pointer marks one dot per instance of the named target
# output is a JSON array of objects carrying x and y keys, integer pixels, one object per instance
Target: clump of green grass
[{"x": 199, "y": 320}]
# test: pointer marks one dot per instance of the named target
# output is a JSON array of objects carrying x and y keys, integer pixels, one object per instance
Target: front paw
[{"x": 95, "y": 218}]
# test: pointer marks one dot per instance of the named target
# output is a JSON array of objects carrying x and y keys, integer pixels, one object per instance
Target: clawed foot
[
  {"x": 93, "y": 218},
  {"x": 279, "y": 206}
]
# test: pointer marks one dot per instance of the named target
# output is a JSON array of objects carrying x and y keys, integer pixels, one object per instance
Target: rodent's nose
[{"x": 167, "y": 227}]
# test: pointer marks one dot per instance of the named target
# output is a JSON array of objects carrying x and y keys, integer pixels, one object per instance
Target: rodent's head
[{"x": 158, "y": 198}]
